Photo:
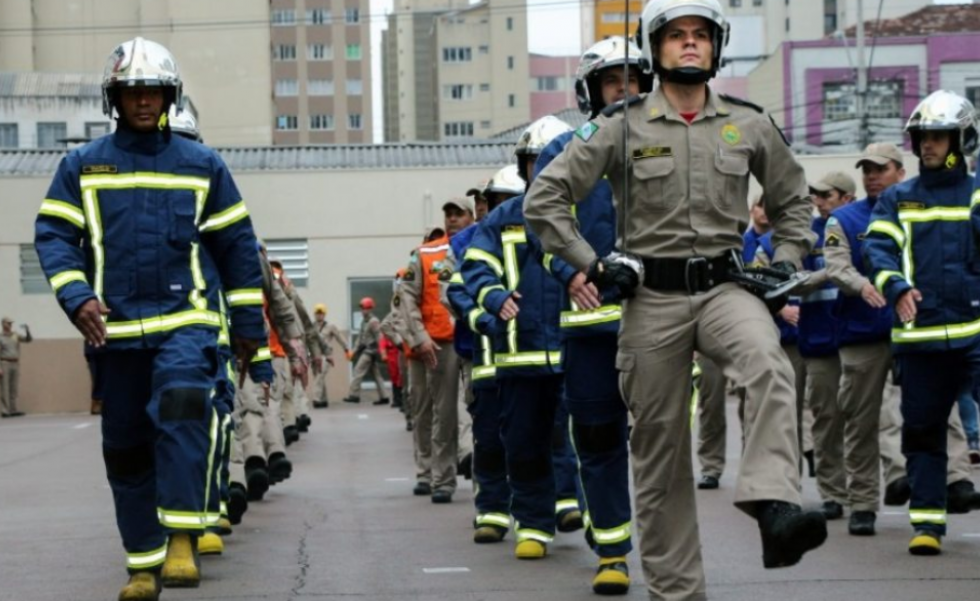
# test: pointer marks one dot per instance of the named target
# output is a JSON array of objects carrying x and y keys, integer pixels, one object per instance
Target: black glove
[
  {"x": 616, "y": 270},
  {"x": 786, "y": 267}
]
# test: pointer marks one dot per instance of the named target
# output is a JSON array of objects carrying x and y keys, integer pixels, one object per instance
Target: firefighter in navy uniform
[
  {"x": 922, "y": 247},
  {"x": 139, "y": 233},
  {"x": 685, "y": 235}
]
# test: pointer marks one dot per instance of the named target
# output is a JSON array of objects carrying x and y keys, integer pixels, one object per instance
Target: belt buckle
[{"x": 693, "y": 272}]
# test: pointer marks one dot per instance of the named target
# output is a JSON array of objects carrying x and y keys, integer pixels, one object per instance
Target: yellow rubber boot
[
  {"x": 612, "y": 578},
  {"x": 224, "y": 526},
  {"x": 488, "y": 534},
  {"x": 142, "y": 586},
  {"x": 530, "y": 549},
  {"x": 925, "y": 543},
  {"x": 210, "y": 544},
  {"x": 181, "y": 569}
]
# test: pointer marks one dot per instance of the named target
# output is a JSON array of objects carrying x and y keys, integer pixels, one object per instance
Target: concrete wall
[{"x": 74, "y": 112}]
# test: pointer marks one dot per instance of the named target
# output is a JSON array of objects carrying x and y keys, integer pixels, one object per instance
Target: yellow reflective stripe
[
  {"x": 244, "y": 297},
  {"x": 224, "y": 338},
  {"x": 457, "y": 278},
  {"x": 487, "y": 353},
  {"x": 889, "y": 229},
  {"x": 610, "y": 536},
  {"x": 233, "y": 214},
  {"x": 603, "y": 314},
  {"x": 473, "y": 315},
  {"x": 927, "y": 516},
  {"x": 934, "y": 214},
  {"x": 185, "y": 520},
  {"x": 512, "y": 336},
  {"x": 60, "y": 279},
  {"x": 495, "y": 519},
  {"x": 514, "y": 237},
  {"x": 475, "y": 254},
  {"x": 63, "y": 210},
  {"x": 565, "y": 505},
  {"x": 147, "y": 559},
  {"x": 487, "y": 290},
  {"x": 162, "y": 323},
  {"x": 531, "y": 534},
  {"x": 213, "y": 437},
  {"x": 510, "y": 265},
  {"x": 975, "y": 199},
  {"x": 94, "y": 221},
  {"x": 883, "y": 276},
  {"x": 481, "y": 372},
  {"x": 144, "y": 179},
  {"x": 263, "y": 354},
  {"x": 529, "y": 358},
  {"x": 546, "y": 261},
  {"x": 941, "y": 332}
]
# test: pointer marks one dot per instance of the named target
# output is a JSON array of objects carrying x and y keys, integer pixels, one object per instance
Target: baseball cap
[
  {"x": 880, "y": 153},
  {"x": 6, "y": 320},
  {"x": 464, "y": 202},
  {"x": 835, "y": 180},
  {"x": 430, "y": 230},
  {"x": 479, "y": 188}
]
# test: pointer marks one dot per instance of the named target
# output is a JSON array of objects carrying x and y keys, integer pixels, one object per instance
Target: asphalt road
[{"x": 346, "y": 526}]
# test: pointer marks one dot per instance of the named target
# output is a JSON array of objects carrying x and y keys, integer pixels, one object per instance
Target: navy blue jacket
[
  {"x": 818, "y": 326},
  {"x": 787, "y": 334},
  {"x": 475, "y": 326}
]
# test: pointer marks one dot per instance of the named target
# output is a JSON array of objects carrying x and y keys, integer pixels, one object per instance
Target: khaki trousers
[
  {"x": 318, "y": 389},
  {"x": 712, "y": 439},
  {"x": 890, "y": 433},
  {"x": 804, "y": 436},
  {"x": 434, "y": 412},
  {"x": 367, "y": 364},
  {"x": 823, "y": 386},
  {"x": 658, "y": 337},
  {"x": 9, "y": 385},
  {"x": 465, "y": 445}
]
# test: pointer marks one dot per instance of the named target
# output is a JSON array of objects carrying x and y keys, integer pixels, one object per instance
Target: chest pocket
[
  {"x": 657, "y": 190},
  {"x": 731, "y": 179},
  {"x": 183, "y": 211}
]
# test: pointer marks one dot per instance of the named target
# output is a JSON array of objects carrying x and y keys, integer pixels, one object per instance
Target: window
[
  {"x": 511, "y": 100},
  {"x": 353, "y": 52},
  {"x": 287, "y": 87},
  {"x": 354, "y": 121},
  {"x": 8, "y": 135},
  {"x": 549, "y": 83},
  {"x": 484, "y": 87},
  {"x": 320, "y": 87},
  {"x": 287, "y": 122},
  {"x": 319, "y": 52},
  {"x": 352, "y": 15},
  {"x": 972, "y": 94},
  {"x": 735, "y": 3},
  {"x": 294, "y": 254},
  {"x": 32, "y": 278},
  {"x": 458, "y": 129},
  {"x": 787, "y": 23},
  {"x": 884, "y": 100},
  {"x": 355, "y": 87},
  {"x": 510, "y": 62},
  {"x": 284, "y": 52},
  {"x": 318, "y": 16},
  {"x": 52, "y": 135},
  {"x": 829, "y": 16},
  {"x": 484, "y": 49},
  {"x": 453, "y": 54},
  {"x": 510, "y": 23},
  {"x": 321, "y": 122},
  {"x": 756, "y": 2},
  {"x": 380, "y": 290},
  {"x": 96, "y": 129},
  {"x": 613, "y": 17},
  {"x": 283, "y": 17},
  {"x": 484, "y": 125},
  {"x": 457, "y": 92}
]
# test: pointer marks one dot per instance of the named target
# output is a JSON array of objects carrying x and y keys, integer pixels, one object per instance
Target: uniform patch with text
[
  {"x": 653, "y": 152},
  {"x": 94, "y": 169}
]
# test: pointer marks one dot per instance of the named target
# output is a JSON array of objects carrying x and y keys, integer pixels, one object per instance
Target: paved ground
[{"x": 347, "y": 527}]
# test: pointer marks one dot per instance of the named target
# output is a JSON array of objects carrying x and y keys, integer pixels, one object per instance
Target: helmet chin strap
[{"x": 684, "y": 75}]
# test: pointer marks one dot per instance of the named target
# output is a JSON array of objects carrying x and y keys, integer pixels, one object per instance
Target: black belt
[{"x": 693, "y": 276}]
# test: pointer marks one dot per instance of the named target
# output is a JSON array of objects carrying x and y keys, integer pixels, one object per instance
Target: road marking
[
  {"x": 362, "y": 416},
  {"x": 894, "y": 513},
  {"x": 81, "y": 426},
  {"x": 396, "y": 479},
  {"x": 972, "y": 535},
  {"x": 445, "y": 570}
]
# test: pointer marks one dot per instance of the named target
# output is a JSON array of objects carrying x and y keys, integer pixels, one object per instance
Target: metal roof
[
  {"x": 64, "y": 85},
  {"x": 572, "y": 116},
  {"x": 307, "y": 158}
]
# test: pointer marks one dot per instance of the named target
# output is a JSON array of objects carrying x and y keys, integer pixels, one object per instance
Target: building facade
[
  {"x": 552, "y": 84},
  {"x": 40, "y": 110}
]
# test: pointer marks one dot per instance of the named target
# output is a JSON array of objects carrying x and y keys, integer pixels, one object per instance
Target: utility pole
[{"x": 862, "y": 80}]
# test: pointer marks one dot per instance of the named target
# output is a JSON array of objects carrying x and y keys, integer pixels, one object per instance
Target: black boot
[
  {"x": 381, "y": 401},
  {"x": 788, "y": 532},
  {"x": 862, "y": 523},
  {"x": 465, "y": 467},
  {"x": 810, "y": 464},
  {"x": 396, "y": 396},
  {"x": 898, "y": 492},
  {"x": 962, "y": 497},
  {"x": 256, "y": 478},
  {"x": 237, "y": 502},
  {"x": 352, "y": 399},
  {"x": 280, "y": 468},
  {"x": 290, "y": 434},
  {"x": 303, "y": 423}
]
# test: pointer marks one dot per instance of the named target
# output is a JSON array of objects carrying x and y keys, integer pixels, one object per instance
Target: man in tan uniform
[
  {"x": 326, "y": 332},
  {"x": 367, "y": 356},
  {"x": 10, "y": 366},
  {"x": 689, "y": 155}
]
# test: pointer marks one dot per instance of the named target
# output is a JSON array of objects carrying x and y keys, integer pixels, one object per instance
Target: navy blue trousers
[{"x": 489, "y": 459}]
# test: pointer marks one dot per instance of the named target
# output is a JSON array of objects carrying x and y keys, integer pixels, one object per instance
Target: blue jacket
[
  {"x": 750, "y": 244},
  {"x": 787, "y": 334},
  {"x": 156, "y": 229},
  {"x": 922, "y": 236},
  {"x": 857, "y": 321},
  {"x": 474, "y": 319},
  {"x": 503, "y": 257},
  {"x": 818, "y": 326},
  {"x": 596, "y": 218}
]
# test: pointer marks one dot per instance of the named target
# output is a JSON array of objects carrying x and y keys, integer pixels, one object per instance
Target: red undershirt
[{"x": 689, "y": 117}]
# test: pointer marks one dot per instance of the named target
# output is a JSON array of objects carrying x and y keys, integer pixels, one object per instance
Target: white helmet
[
  {"x": 533, "y": 140},
  {"x": 506, "y": 182},
  {"x": 611, "y": 52},
  {"x": 184, "y": 123},
  {"x": 945, "y": 111},
  {"x": 140, "y": 62},
  {"x": 658, "y": 13}
]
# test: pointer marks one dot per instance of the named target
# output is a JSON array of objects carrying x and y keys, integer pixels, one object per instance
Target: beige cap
[
  {"x": 463, "y": 202},
  {"x": 880, "y": 153},
  {"x": 478, "y": 190},
  {"x": 430, "y": 230},
  {"x": 835, "y": 180},
  {"x": 6, "y": 320}
]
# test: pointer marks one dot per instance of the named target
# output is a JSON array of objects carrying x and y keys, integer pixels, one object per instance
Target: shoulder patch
[
  {"x": 409, "y": 275},
  {"x": 832, "y": 241},
  {"x": 587, "y": 130},
  {"x": 93, "y": 169},
  {"x": 445, "y": 274},
  {"x": 907, "y": 205},
  {"x": 612, "y": 108},
  {"x": 396, "y": 300},
  {"x": 742, "y": 102},
  {"x": 831, "y": 221}
]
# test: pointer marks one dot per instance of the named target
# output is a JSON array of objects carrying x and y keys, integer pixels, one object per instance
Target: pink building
[{"x": 552, "y": 84}]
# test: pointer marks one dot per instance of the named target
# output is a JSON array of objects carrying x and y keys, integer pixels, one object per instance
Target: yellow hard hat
[{"x": 320, "y": 308}]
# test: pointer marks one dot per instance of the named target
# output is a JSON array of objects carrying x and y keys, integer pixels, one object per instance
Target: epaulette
[
  {"x": 612, "y": 108},
  {"x": 741, "y": 102}
]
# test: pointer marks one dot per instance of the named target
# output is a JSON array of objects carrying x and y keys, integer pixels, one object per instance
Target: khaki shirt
[
  {"x": 281, "y": 310},
  {"x": 688, "y": 184},
  {"x": 840, "y": 267},
  {"x": 10, "y": 345},
  {"x": 326, "y": 332},
  {"x": 370, "y": 334}
]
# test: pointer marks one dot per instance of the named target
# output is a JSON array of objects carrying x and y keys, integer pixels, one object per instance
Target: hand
[
  {"x": 244, "y": 350},
  {"x": 349, "y": 354},
  {"x": 584, "y": 294},
  {"x": 790, "y": 314},
  {"x": 266, "y": 394},
  {"x": 509, "y": 310},
  {"x": 906, "y": 306},
  {"x": 299, "y": 349},
  {"x": 330, "y": 361},
  {"x": 619, "y": 270},
  {"x": 871, "y": 296},
  {"x": 89, "y": 321},
  {"x": 427, "y": 353},
  {"x": 299, "y": 371}
]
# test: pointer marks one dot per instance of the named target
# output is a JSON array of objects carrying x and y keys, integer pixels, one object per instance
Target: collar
[
  {"x": 657, "y": 106},
  {"x": 151, "y": 143},
  {"x": 940, "y": 178}
]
